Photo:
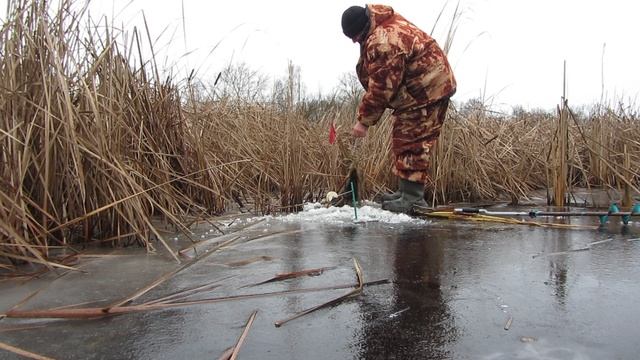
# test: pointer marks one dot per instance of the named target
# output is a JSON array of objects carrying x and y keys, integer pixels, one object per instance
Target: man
[{"x": 402, "y": 68}]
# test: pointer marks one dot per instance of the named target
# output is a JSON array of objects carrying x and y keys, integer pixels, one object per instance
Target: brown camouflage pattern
[
  {"x": 401, "y": 67},
  {"x": 414, "y": 134}
]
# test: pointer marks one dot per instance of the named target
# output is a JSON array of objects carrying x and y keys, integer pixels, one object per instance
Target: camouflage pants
[{"x": 414, "y": 133}]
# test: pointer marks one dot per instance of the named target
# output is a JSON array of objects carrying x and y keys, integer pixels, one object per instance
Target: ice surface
[{"x": 318, "y": 213}]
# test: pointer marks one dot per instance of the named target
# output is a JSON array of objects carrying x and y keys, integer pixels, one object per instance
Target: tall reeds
[{"x": 94, "y": 144}]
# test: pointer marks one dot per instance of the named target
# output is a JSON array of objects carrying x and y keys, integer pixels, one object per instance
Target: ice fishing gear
[
  {"x": 477, "y": 217},
  {"x": 331, "y": 195},
  {"x": 353, "y": 199},
  {"x": 604, "y": 216}
]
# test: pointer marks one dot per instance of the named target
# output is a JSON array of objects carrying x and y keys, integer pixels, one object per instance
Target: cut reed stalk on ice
[
  {"x": 168, "y": 276},
  {"x": 357, "y": 290},
  {"x": 241, "y": 339},
  {"x": 98, "y": 312},
  {"x": 295, "y": 274},
  {"x": 23, "y": 353}
]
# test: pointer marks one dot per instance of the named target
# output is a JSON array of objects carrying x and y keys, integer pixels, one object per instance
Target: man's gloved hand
[{"x": 359, "y": 130}]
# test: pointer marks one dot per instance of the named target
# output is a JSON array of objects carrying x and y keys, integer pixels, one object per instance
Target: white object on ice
[{"x": 331, "y": 195}]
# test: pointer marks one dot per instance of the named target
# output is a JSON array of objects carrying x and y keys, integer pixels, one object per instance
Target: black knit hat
[{"x": 354, "y": 20}]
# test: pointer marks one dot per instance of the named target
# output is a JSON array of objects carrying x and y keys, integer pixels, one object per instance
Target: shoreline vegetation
[{"x": 95, "y": 145}]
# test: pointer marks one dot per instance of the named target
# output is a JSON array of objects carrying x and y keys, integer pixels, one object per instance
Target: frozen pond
[{"x": 455, "y": 289}]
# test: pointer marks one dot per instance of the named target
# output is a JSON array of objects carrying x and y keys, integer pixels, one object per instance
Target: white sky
[{"x": 509, "y": 51}]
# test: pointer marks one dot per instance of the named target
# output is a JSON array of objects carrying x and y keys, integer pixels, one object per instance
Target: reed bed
[
  {"x": 95, "y": 145},
  {"x": 92, "y": 146},
  {"x": 483, "y": 156},
  {"x": 291, "y": 160}
]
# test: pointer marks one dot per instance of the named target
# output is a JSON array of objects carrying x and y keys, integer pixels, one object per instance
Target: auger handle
[{"x": 468, "y": 210}]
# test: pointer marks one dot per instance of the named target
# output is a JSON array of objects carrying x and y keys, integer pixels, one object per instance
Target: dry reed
[{"x": 94, "y": 144}]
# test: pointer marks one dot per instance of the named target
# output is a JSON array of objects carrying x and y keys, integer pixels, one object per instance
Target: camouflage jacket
[{"x": 401, "y": 67}]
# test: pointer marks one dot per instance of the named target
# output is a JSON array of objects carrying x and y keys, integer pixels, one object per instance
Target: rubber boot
[
  {"x": 412, "y": 195},
  {"x": 394, "y": 195}
]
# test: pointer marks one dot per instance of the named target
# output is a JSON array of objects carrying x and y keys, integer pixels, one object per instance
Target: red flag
[{"x": 332, "y": 134}]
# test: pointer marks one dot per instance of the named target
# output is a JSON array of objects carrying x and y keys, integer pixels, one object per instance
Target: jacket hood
[{"x": 378, "y": 15}]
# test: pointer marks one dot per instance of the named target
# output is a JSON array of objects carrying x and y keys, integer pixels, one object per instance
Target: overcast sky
[{"x": 509, "y": 51}]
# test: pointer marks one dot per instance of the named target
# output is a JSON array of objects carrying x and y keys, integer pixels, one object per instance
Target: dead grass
[{"x": 94, "y": 144}]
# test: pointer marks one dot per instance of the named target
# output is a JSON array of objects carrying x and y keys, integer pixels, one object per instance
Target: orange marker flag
[{"x": 332, "y": 134}]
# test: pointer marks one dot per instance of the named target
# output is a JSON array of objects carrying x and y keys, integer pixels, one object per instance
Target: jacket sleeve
[{"x": 386, "y": 64}]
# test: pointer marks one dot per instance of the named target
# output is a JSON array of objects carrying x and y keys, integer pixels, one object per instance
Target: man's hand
[{"x": 359, "y": 130}]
